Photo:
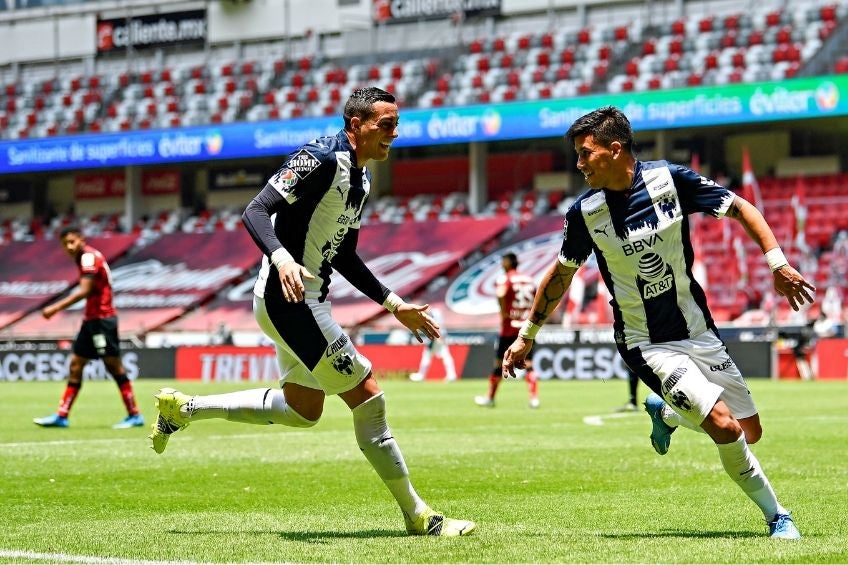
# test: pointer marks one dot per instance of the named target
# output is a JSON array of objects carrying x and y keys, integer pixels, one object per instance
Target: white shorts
[
  {"x": 312, "y": 349},
  {"x": 695, "y": 373}
]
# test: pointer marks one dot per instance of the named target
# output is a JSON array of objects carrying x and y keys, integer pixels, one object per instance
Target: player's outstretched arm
[
  {"x": 787, "y": 281},
  {"x": 554, "y": 284}
]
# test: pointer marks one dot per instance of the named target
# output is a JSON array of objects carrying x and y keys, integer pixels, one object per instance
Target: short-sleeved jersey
[
  {"x": 516, "y": 290},
  {"x": 92, "y": 264},
  {"x": 325, "y": 192},
  {"x": 644, "y": 253}
]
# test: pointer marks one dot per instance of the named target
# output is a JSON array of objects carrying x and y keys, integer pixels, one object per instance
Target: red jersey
[
  {"x": 98, "y": 304},
  {"x": 516, "y": 291}
]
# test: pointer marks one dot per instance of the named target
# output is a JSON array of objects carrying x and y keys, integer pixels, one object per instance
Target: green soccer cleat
[
  {"x": 431, "y": 523},
  {"x": 168, "y": 402}
]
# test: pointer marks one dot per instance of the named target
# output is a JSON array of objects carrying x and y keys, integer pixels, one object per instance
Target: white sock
[
  {"x": 261, "y": 406},
  {"x": 674, "y": 419},
  {"x": 380, "y": 448},
  {"x": 745, "y": 470},
  {"x": 450, "y": 367}
]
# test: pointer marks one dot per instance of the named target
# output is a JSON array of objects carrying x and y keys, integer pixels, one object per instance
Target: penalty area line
[{"x": 599, "y": 420}]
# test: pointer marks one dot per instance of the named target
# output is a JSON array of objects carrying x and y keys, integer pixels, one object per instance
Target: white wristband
[
  {"x": 528, "y": 330},
  {"x": 392, "y": 302},
  {"x": 280, "y": 257},
  {"x": 776, "y": 259}
]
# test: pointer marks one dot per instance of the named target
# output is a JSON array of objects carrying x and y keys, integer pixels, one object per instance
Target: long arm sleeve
[
  {"x": 353, "y": 268},
  {"x": 257, "y": 219}
]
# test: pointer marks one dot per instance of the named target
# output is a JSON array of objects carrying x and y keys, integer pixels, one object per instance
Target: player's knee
[
  {"x": 297, "y": 420},
  {"x": 753, "y": 433}
]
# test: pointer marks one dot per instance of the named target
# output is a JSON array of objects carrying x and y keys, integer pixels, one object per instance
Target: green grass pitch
[{"x": 543, "y": 486}]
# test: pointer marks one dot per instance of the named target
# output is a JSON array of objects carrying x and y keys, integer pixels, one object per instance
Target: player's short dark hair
[
  {"x": 69, "y": 229},
  {"x": 606, "y": 125},
  {"x": 512, "y": 258},
  {"x": 361, "y": 103}
]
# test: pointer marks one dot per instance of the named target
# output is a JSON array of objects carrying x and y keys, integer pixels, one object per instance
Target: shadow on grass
[
  {"x": 682, "y": 534},
  {"x": 308, "y": 536}
]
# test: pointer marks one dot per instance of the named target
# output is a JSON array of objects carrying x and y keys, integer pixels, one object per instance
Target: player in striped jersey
[
  {"x": 635, "y": 219},
  {"x": 306, "y": 223}
]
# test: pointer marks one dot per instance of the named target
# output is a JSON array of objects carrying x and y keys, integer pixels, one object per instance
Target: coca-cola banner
[
  {"x": 32, "y": 273},
  {"x": 163, "y": 280},
  {"x": 113, "y": 185}
]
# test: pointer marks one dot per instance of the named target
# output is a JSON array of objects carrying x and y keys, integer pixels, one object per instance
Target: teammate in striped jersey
[{"x": 635, "y": 219}]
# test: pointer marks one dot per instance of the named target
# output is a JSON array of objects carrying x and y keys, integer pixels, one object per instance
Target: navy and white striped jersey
[
  {"x": 312, "y": 206},
  {"x": 641, "y": 240}
]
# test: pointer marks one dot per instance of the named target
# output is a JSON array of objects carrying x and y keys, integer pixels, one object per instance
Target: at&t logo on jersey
[{"x": 655, "y": 276}]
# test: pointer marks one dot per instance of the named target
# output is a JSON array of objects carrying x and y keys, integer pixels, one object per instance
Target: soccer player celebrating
[
  {"x": 635, "y": 219},
  {"x": 98, "y": 336},
  {"x": 515, "y": 297},
  {"x": 306, "y": 222}
]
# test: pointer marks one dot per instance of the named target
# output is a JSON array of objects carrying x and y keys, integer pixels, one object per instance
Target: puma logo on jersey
[{"x": 602, "y": 230}]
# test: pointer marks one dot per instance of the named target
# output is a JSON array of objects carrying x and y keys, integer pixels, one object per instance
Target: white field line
[
  {"x": 34, "y": 556},
  {"x": 17, "y": 444},
  {"x": 599, "y": 420}
]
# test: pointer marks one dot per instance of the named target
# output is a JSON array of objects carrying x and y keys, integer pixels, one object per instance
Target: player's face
[
  {"x": 375, "y": 135},
  {"x": 73, "y": 244},
  {"x": 599, "y": 164}
]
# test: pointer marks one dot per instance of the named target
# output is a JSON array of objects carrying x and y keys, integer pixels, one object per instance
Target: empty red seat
[
  {"x": 498, "y": 44},
  {"x": 475, "y": 46}
]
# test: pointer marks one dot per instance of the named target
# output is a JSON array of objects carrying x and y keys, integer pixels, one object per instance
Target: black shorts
[
  {"x": 98, "y": 338},
  {"x": 503, "y": 344}
]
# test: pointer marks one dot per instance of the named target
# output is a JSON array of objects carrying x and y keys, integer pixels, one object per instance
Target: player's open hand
[
  {"x": 418, "y": 321},
  {"x": 291, "y": 277},
  {"x": 515, "y": 357},
  {"x": 789, "y": 283}
]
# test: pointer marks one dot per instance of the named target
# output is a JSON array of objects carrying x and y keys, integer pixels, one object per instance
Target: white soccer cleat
[
  {"x": 416, "y": 377},
  {"x": 484, "y": 401}
]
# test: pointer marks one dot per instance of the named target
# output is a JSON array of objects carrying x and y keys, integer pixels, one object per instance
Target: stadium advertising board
[
  {"x": 795, "y": 99},
  {"x": 36, "y": 365},
  {"x": 259, "y": 364},
  {"x": 155, "y": 30},
  {"x": 398, "y": 11}
]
